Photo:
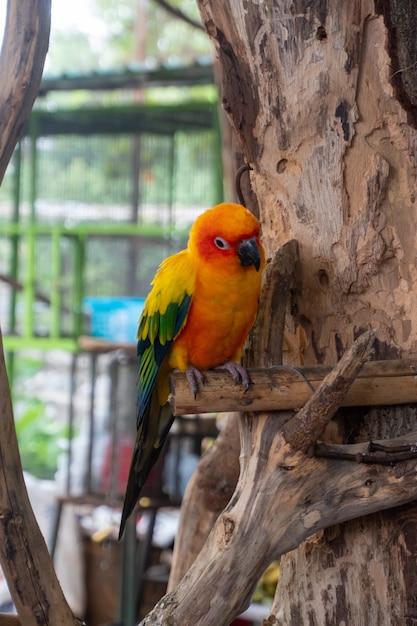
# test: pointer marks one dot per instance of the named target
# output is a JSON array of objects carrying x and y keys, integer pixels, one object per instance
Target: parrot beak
[{"x": 249, "y": 253}]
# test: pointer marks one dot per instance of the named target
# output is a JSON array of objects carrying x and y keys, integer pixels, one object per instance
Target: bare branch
[
  {"x": 178, "y": 13},
  {"x": 306, "y": 426},
  {"x": 281, "y": 492}
]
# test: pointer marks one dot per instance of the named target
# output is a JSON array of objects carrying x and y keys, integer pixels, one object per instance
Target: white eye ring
[{"x": 221, "y": 243}]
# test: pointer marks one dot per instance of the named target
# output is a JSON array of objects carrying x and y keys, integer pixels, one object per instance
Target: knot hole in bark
[
  {"x": 323, "y": 278},
  {"x": 229, "y": 528},
  {"x": 321, "y": 33}
]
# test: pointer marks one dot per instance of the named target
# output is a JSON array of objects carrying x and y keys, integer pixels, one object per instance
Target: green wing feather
[
  {"x": 161, "y": 328},
  {"x": 163, "y": 317}
]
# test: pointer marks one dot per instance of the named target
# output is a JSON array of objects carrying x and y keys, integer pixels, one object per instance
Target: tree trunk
[
  {"x": 320, "y": 581},
  {"x": 322, "y": 98}
]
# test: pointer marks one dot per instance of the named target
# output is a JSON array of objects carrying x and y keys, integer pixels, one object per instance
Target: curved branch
[
  {"x": 24, "y": 556},
  {"x": 22, "y": 59},
  {"x": 278, "y": 501}
]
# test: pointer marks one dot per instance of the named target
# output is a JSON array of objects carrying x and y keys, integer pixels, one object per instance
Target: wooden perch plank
[{"x": 281, "y": 388}]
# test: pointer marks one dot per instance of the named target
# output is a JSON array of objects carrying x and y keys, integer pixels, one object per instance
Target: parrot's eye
[{"x": 221, "y": 243}]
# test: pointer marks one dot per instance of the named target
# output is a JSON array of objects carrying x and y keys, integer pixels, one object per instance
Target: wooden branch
[
  {"x": 22, "y": 59},
  {"x": 384, "y": 452},
  {"x": 280, "y": 388},
  {"x": 179, "y": 14},
  {"x": 290, "y": 487},
  {"x": 265, "y": 343},
  {"x": 278, "y": 478},
  {"x": 307, "y": 425},
  {"x": 24, "y": 556}
]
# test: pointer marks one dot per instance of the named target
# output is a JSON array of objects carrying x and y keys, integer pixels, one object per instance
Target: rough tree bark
[{"x": 323, "y": 99}]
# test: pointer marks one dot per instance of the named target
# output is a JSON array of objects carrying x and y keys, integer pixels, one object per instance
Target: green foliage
[
  {"x": 26, "y": 367},
  {"x": 114, "y": 34},
  {"x": 84, "y": 169},
  {"x": 38, "y": 437}
]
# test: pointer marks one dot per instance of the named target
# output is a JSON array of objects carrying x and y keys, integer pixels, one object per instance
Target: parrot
[{"x": 199, "y": 311}]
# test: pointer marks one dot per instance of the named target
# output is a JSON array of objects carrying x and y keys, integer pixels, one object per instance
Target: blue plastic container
[{"x": 114, "y": 319}]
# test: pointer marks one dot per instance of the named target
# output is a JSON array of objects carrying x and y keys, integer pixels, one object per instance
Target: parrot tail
[{"x": 151, "y": 437}]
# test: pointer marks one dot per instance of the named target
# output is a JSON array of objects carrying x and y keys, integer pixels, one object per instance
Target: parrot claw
[
  {"x": 238, "y": 373},
  {"x": 194, "y": 377}
]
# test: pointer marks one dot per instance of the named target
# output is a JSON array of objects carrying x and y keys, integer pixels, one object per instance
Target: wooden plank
[
  {"x": 282, "y": 388},
  {"x": 97, "y": 345}
]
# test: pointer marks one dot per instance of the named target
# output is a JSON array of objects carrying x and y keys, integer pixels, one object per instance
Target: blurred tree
[{"x": 106, "y": 36}]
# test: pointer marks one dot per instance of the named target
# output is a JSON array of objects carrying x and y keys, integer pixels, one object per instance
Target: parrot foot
[
  {"x": 237, "y": 372},
  {"x": 194, "y": 377}
]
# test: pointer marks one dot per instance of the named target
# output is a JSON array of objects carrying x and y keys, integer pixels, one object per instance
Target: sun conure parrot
[{"x": 197, "y": 316}]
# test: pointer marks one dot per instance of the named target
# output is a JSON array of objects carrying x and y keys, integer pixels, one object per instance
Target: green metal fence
[{"x": 92, "y": 202}]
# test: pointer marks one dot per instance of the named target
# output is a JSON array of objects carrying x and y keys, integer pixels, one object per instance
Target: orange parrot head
[{"x": 227, "y": 236}]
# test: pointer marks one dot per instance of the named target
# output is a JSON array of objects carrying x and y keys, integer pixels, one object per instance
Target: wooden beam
[{"x": 283, "y": 388}]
